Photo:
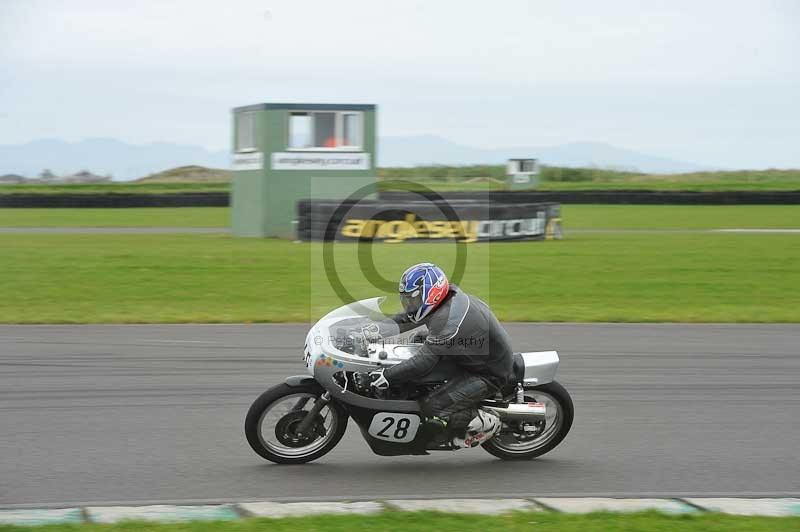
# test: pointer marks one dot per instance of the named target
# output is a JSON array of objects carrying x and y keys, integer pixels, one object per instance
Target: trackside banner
[{"x": 394, "y": 222}]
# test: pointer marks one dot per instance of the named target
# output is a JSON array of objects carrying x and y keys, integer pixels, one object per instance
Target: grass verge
[
  {"x": 677, "y": 277},
  {"x": 680, "y": 216},
  {"x": 424, "y": 521},
  {"x": 487, "y": 177},
  {"x": 575, "y": 217},
  {"x": 134, "y": 217}
]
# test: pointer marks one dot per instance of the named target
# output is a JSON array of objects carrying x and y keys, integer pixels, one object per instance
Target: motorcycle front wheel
[
  {"x": 272, "y": 421},
  {"x": 542, "y": 437}
]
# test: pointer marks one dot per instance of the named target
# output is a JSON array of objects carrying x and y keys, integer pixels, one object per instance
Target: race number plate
[{"x": 394, "y": 427}]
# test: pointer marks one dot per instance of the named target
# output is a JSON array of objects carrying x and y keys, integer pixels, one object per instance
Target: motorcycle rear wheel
[
  {"x": 561, "y": 413},
  {"x": 272, "y": 418}
]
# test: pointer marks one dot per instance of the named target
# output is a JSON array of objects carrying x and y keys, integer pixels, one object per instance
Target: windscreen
[{"x": 344, "y": 328}]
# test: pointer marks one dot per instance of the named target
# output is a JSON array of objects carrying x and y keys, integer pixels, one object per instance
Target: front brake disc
[{"x": 286, "y": 429}]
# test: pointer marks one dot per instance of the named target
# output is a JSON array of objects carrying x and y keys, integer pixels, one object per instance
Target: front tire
[
  {"x": 513, "y": 446},
  {"x": 269, "y": 424}
]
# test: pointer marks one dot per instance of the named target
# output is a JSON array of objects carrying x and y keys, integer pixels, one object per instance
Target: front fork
[
  {"x": 308, "y": 420},
  {"x": 300, "y": 404}
]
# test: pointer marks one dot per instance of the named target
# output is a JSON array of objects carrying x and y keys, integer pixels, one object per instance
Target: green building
[{"x": 283, "y": 153}]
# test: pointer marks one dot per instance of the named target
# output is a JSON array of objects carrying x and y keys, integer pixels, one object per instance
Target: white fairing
[
  {"x": 320, "y": 344},
  {"x": 540, "y": 367}
]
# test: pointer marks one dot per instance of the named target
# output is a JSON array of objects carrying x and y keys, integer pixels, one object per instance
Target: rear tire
[
  {"x": 565, "y": 409},
  {"x": 272, "y": 452}
]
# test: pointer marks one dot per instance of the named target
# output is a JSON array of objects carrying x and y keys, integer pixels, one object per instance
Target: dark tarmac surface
[{"x": 140, "y": 413}]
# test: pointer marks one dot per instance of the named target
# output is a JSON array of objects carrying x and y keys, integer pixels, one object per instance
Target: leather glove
[
  {"x": 377, "y": 380},
  {"x": 373, "y": 379}
]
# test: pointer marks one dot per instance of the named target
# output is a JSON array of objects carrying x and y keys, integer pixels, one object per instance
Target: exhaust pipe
[{"x": 530, "y": 412}]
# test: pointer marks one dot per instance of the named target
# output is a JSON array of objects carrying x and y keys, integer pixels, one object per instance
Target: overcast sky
[{"x": 714, "y": 82}]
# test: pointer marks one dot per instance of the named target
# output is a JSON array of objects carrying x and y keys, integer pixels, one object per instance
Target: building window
[
  {"x": 246, "y": 132},
  {"x": 325, "y": 130},
  {"x": 351, "y": 129},
  {"x": 523, "y": 166},
  {"x": 527, "y": 166},
  {"x": 300, "y": 130}
]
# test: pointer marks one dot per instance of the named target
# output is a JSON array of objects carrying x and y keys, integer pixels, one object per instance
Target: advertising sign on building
[
  {"x": 320, "y": 161},
  {"x": 248, "y": 161}
]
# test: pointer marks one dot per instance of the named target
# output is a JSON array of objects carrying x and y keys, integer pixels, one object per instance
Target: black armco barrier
[
  {"x": 399, "y": 221},
  {"x": 113, "y": 200},
  {"x": 221, "y": 199}
]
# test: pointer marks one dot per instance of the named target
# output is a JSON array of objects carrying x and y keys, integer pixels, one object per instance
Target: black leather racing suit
[{"x": 463, "y": 329}]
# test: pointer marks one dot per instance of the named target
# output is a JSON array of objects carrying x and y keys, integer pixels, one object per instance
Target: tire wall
[
  {"x": 399, "y": 221},
  {"x": 189, "y": 199}
]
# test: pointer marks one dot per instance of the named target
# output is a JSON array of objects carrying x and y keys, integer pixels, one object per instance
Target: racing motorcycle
[{"x": 305, "y": 417}]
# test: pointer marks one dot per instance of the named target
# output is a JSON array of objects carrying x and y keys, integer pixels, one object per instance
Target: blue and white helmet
[{"x": 422, "y": 288}]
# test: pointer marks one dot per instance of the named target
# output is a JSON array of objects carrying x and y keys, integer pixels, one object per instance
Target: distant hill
[
  {"x": 103, "y": 156},
  {"x": 125, "y": 161},
  {"x": 188, "y": 174}
]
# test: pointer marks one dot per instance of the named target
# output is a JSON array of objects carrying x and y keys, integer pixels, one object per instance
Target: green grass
[
  {"x": 426, "y": 521},
  {"x": 598, "y": 179},
  {"x": 134, "y": 217},
  {"x": 482, "y": 177},
  {"x": 680, "y": 216},
  {"x": 575, "y": 217},
  {"x": 710, "y": 185},
  {"x": 667, "y": 183},
  {"x": 628, "y": 277},
  {"x": 474, "y": 177}
]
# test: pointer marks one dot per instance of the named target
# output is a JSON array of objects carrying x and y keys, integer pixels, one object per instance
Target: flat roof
[{"x": 308, "y": 107}]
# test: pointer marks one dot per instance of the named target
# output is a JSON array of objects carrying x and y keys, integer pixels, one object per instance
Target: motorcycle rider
[{"x": 462, "y": 328}]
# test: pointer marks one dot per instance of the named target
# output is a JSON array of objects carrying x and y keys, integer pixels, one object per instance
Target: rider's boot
[
  {"x": 435, "y": 432},
  {"x": 482, "y": 427}
]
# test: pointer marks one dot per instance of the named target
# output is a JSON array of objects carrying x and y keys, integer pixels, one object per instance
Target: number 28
[{"x": 400, "y": 430}]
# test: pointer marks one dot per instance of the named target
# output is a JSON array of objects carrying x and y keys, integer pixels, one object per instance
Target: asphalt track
[
  {"x": 225, "y": 230},
  {"x": 136, "y": 414}
]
